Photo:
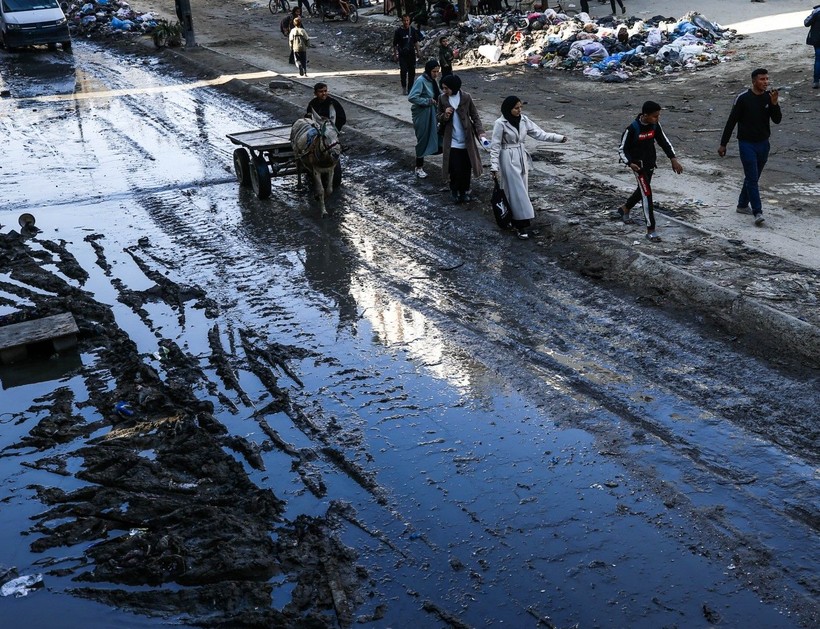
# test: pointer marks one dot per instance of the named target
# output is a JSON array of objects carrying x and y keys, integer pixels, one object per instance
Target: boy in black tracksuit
[{"x": 637, "y": 150}]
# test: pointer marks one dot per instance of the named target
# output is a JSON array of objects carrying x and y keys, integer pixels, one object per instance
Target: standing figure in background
[
  {"x": 445, "y": 56},
  {"x": 298, "y": 39},
  {"x": 620, "y": 4},
  {"x": 405, "y": 48},
  {"x": 813, "y": 39},
  {"x": 751, "y": 112},
  {"x": 511, "y": 163},
  {"x": 286, "y": 25}
]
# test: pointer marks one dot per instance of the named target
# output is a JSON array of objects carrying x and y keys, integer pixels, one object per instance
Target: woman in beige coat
[
  {"x": 511, "y": 163},
  {"x": 458, "y": 117}
]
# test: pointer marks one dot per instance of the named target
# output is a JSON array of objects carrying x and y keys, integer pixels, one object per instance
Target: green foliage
[{"x": 167, "y": 33}]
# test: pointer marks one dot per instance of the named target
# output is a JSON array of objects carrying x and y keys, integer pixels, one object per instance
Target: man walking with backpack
[{"x": 405, "y": 48}]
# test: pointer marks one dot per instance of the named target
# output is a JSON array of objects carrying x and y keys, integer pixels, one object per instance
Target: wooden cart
[
  {"x": 262, "y": 154},
  {"x": 266, "y": 153}
]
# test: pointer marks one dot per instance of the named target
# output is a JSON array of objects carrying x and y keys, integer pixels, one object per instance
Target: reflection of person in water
[{"x": 327, "y": 270}]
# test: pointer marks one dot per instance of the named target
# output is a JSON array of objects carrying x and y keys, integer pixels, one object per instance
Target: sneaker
[
  {"x": 465, "y": 197},
  {"x": 455, "y": 196},
  {"x": 616, "y": 215},
  {"x": 420, "y": 173},
  {"x": 744, "y": 210},
  {"x": 759, "y": 220},
  {"x": 816, "y": 85},
  {"x": 523, "y": 235},
  {"x": 653, "y": 237},
  {"x": 404, "y": 91}
]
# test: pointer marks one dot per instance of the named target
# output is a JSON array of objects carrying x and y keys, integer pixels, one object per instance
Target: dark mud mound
[{"x": 167, "y": 511}]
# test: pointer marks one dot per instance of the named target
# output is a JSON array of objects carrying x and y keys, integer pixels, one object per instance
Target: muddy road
[{"x": 394, "y": 415}]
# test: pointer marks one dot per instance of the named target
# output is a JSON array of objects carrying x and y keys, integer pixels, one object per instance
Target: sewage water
[{"x": 518, "y": 473}]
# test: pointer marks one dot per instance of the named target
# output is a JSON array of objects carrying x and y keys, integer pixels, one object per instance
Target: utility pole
[{"x": 186, "y": 21}]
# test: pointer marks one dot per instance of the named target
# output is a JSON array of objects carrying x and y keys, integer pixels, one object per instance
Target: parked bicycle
[{"x": 279, "y": 6}]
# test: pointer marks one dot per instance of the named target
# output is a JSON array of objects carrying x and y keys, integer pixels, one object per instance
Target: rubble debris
[
  {"x": 609, "y": 48},
  {"x": 108, "y": 17}
]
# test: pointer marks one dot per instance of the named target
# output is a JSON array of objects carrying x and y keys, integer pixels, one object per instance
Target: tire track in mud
[
  {"x": 190, "y": 227},
  {"x": 473, "y": 308},
  {"x": 778, "y": 484},
  {"x": 580, "y": 313},
  {"x": 163, "y": 472}
]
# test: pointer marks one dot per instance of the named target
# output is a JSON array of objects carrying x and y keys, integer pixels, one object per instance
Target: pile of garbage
[
  {"x": 608, "y": 49},
  {"x": 107, "y": 17}
]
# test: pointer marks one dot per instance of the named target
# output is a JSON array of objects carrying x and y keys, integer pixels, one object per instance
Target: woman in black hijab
[
  {"x": 461, "y": 124},
  {"x": 424, "y": 101},
  {"x": 511, "y": 163}
]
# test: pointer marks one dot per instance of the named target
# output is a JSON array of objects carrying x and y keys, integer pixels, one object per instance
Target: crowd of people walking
[{"x": 446, "y": 122}]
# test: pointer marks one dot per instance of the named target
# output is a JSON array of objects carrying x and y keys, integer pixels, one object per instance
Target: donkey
[{"x": 316, "y": 145}]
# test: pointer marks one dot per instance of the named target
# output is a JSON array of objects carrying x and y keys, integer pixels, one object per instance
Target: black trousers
[
  {"x": 407, "y": 70},
  {"x": 620, "y": 4},
  {"x": 585, "y": 6},
  {"x": 643, "y": 193},
  {"x": 301, "y": 61},
  {"x": 460, "y": 170}
]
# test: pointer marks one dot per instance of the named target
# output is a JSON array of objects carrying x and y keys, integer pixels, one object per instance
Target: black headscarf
[
  {"x": 453, "y": 82},
  {"x": 428, "y": 67},
  {"x": 506, "y": 109}
]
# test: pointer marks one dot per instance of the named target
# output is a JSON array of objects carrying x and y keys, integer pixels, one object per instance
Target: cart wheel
[
  {"x": 354, "y": 16},
  {"x": 337, "y": 175},
  {"x": 242, "y": 167},
  {"x": 260, "y": 177}
]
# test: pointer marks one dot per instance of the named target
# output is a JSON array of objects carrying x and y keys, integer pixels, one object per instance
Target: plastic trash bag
[{"x": 493, "y": 53}]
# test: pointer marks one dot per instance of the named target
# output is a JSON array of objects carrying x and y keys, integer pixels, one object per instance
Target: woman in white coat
[{"x": 510, "y": 163}]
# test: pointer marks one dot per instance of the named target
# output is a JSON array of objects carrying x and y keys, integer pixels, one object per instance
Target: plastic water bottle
[{"x": 486, "y": 144}]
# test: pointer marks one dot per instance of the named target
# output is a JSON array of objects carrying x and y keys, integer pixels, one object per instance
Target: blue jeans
[
  {"x": 816, "y": 64},
  {"x": 753, "y": 156}
]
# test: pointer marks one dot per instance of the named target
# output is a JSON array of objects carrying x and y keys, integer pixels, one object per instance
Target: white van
[{"x": 29, "y": 22}]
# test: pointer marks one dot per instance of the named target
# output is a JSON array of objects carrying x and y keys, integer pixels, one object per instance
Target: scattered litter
[
  {"x": 109, "y": 17},
  {"x": 21, "y": 586},
  {"x": 607, "y": 49},
  {"x": 123, "y": 409}
]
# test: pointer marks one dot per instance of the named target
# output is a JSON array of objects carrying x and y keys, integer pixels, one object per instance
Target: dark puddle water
[{"x": 487, "y": 502}]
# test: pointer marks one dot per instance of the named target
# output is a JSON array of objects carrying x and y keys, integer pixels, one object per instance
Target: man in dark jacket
[
  {"x": 326, "y": 106},
  {"x": 323, "y": 104},
  {"x": 751, "y": 112},
  {"x": 813, "y": 39},
  {"x": 637, "y": 150},
  {"x": 405, "y": 48}
]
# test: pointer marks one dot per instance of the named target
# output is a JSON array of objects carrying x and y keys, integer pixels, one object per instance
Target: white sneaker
[{"x": 420, "y": 173}]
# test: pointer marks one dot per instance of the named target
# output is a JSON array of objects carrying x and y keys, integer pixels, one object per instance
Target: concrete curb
[
  {"x": 741, "y": 315},
  {"x": 778, "y": 330}
]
